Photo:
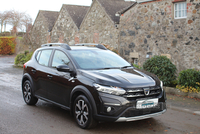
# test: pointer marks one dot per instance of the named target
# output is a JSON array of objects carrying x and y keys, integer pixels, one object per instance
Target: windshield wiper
[
  {"x": 114, "y": 67},
  {"x": 109, "y": 68},
  {"x": 125, "y": 67}
]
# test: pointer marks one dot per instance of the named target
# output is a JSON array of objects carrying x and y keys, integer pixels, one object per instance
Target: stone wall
[
  {"x": 64, "y": 30},
  {"x": 97, "y": 27},
  {"x": 39, "y": 33},
  {"x": 150, "y": 29}
]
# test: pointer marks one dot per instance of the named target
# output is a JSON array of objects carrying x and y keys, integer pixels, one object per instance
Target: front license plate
[{"x": 142, "y": 104}]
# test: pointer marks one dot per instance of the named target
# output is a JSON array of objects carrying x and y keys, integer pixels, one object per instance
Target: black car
[{"x": 94, "y": 83}]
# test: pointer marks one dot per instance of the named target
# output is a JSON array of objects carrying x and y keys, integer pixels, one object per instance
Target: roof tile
[
  {"x": 51, "y": 17},
  {"x": 76, "y": 12},
  {"x": 113, "y": 6}
]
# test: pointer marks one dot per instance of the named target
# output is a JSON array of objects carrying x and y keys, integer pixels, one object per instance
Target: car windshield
[{"x": 98, "y": 59}]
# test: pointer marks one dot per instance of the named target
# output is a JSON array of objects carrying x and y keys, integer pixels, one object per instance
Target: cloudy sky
[{"x": 32, "y": 7}]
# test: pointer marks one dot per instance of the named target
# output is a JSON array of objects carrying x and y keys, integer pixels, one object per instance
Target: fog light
[{"x": 108, "y": 109}]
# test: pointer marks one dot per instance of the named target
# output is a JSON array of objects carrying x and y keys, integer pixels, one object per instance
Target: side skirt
[{"x": 62, "y": 106}]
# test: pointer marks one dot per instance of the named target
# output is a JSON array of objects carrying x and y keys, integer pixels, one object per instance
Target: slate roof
[
  {"x": 51, "y": 17},
  {"x": 76, "y": 12},
  {"x": 113, "y": 6}
]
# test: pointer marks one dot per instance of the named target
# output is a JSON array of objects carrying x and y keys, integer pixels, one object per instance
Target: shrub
[
  {"x": 162, "y": 67},
  {"x": 189, "y": 88},
  {"x": 7, "y": 45},
  {"x": 173, "y": 83},
  {"x": 28, "y": 56},
  {"x": 22, "y": 58},
  {"x": 189, "y": 78},
  {"x": 137, "y": 66}
]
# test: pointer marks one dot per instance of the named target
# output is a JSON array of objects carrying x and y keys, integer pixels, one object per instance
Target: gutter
[
  {"x": 142, "y": 1},
  {"x": 119, "y": 13}
]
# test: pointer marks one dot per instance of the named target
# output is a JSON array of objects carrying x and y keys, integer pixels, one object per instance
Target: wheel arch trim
[
  {"x": 87, "y": 93},
  {"x": 27, "y": 76}
]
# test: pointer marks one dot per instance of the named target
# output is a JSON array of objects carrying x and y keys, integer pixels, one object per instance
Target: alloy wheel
[
  {"x": 82, "y": 112},
  {"x": 27, "y": 92}
]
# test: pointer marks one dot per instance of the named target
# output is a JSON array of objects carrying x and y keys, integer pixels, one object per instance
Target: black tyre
[
  {"x": 83, "y": 112},
  {"x": 27, "y": 93}
]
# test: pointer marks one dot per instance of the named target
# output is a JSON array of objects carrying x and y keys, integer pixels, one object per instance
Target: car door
[
  {"x": 41, "y": 75},
  {"x": 60, "y": 87}
]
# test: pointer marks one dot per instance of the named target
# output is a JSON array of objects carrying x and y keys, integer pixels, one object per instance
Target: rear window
[
  {"x": 38, "y": 55},
  {"x": 43, "y": 57}
]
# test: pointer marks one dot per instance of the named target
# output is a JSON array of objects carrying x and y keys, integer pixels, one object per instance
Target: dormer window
[{"x": 180, "y": 10}]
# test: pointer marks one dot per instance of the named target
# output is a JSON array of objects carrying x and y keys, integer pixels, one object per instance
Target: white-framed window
[
  {"x": 180, "y": 10},
  {"x": 135, "y": 61}
]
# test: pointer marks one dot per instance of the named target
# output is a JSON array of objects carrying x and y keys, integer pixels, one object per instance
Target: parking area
[{"x": 18, "y": 118}]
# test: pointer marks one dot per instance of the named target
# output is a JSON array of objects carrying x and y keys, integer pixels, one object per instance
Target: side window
[
  {"x": 44, "y": 57},
  {"x": 60, "y": 58},
  {"x": 38, "y": 56}
]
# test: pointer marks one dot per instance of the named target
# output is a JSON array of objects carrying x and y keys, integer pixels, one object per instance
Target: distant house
[
  {"x": 68, "y": 23},
  {"x": 168, "y": 27},
  {"x": 100, "y": 24},
  {"x": 40, "y": 32}
]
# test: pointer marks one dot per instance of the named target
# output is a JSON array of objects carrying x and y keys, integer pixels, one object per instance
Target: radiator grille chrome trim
[{"x": 139, "y": 92}]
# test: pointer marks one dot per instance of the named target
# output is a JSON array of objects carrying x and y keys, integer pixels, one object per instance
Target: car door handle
[
  {"x": 33, "y": 71},
  {"x": 49, "y": 76}
]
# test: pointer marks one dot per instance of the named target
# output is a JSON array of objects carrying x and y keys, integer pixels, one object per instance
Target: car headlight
[
  {"x": 161, "y": 85},
  {"x": 110, "y": 90}
]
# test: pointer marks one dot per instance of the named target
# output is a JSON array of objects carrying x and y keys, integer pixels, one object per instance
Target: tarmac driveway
[{"x": 45, "y": 118}]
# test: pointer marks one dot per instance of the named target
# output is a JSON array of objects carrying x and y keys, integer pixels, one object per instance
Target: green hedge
[{"x": 7, "y": 45}]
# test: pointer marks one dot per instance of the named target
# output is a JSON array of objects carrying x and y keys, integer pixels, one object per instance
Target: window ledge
[
  {"x": 180, "y": 18},
  {"x": 175, "y": 1}
]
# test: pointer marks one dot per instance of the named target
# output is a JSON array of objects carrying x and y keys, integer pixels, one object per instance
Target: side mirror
[{"x": 63, "y": 68}]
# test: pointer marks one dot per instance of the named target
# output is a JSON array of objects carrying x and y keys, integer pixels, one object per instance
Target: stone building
[
  {"x": 66, "y": 28},
  {"x": 162, "y": 27},
  {"x": 139, "y": 30},
  {"x": 100, "y": 24},
  {"x": 40, "y": 32}
]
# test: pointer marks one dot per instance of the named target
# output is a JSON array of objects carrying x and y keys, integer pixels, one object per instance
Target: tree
[
  {"x": 19, "y": 20},
  {"x": 16, "y": 19},
  {"x": 27, "y": 22},
  {"x": 4, "y": 18}
]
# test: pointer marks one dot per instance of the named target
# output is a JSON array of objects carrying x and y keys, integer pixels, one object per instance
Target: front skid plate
[{"x": 124, "y": 119}]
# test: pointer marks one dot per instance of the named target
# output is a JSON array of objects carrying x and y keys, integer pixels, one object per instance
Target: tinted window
[
  {"x": 59, "y": 58},
  {"x": 44, "y": 57}
]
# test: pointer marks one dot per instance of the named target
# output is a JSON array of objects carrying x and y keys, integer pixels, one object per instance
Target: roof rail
[
  {"x": 100, "y": 46},
  {"x": 57, "y": 44}
]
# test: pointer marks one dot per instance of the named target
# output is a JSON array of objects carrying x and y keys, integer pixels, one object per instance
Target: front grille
[{"x": 140, "y": 93}]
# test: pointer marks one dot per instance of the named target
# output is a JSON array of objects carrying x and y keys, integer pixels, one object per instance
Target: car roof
[{"x": 83, "y": 46}]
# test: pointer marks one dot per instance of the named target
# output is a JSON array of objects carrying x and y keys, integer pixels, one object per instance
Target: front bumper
[
  {"x": 132, "y": 114},
  {"x": 126, "y": 119},
  {"x": 125, "y": 110}
]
